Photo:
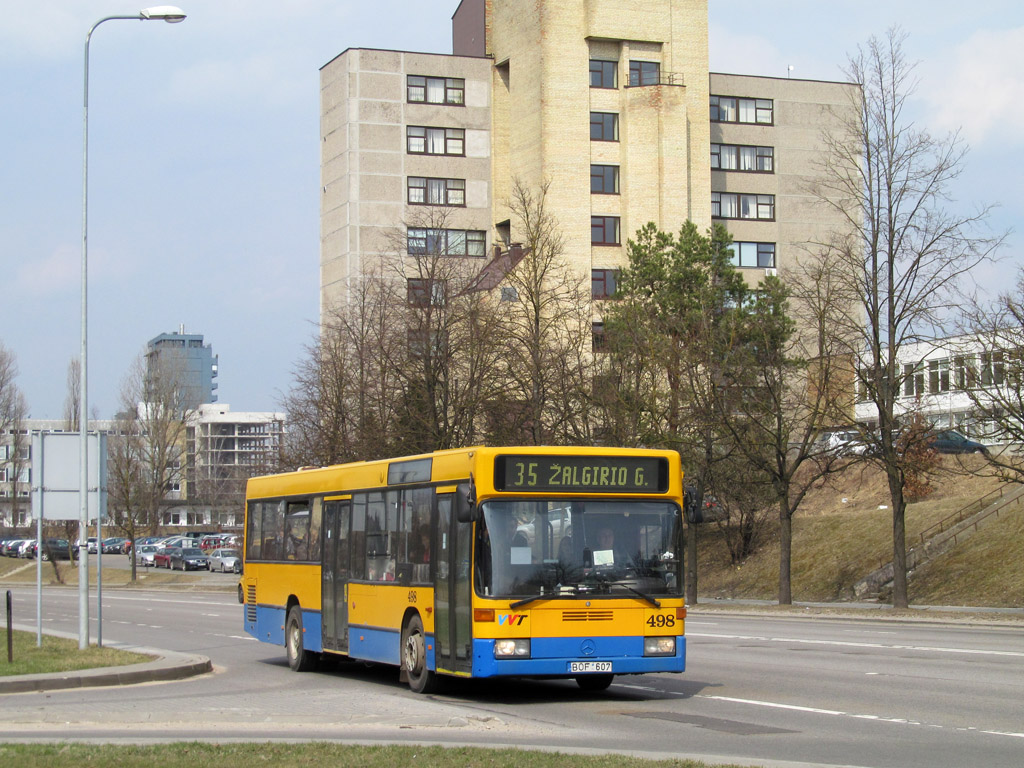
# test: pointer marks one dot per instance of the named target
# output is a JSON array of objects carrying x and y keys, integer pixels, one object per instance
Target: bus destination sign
[{"x": 581, "y": 474}]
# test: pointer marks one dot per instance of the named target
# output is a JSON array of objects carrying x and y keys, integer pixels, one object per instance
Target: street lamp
[{"x": 171, "y": 15}]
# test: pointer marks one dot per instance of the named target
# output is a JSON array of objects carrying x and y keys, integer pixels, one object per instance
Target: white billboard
[{"x": 56, "y": 475}]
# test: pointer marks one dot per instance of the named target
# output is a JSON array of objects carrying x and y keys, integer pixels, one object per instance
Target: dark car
[
  {"x": 57, "y": 549},
  {"x": 950, "y": 441},
  {"x": 189, "y": 558}
]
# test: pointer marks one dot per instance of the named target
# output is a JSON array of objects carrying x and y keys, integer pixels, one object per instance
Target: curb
[{"x": 168, "y": 666}]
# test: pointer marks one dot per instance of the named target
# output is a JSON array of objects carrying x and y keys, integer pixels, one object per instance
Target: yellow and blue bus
[{"x": 546, "y": 562}]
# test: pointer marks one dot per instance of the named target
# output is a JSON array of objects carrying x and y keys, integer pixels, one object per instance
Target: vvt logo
[{"x": 512, "y": 619}]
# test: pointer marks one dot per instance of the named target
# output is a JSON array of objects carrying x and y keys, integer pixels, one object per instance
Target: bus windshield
[{"x": 615, "y": 548}]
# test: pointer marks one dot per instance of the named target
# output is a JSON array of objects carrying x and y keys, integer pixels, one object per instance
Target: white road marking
[{"x": 850, "y": 644}]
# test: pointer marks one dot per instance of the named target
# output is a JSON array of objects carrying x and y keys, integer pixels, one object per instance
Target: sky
[{"x": 204, "y": 160}]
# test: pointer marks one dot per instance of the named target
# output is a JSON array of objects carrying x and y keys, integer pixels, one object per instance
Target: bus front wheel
[
  {"x": 414, "y": 657},
  {"x": 299, "y": 659},
  {"x": 594, "y": 682}
]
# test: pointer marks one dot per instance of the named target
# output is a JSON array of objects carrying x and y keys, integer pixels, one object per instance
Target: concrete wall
[{"x": 365, "y": 165}]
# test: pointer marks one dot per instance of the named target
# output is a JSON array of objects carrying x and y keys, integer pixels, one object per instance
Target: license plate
[{"x": 589, "y": 666}]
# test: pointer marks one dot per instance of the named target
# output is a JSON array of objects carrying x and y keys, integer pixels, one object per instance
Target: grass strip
[
  {"x": 305, "y": 755},
  {"x": 58, "y": 654}
]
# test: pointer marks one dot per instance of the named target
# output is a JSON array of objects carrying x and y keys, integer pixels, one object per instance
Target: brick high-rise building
[{"x": 545, "y": 91}]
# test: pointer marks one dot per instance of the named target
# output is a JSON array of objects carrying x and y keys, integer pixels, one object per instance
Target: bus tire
[
  {"x": 594, "y": 682},
  {"x": 414, "y": 657},
  {"x": 299, "y": 659}
]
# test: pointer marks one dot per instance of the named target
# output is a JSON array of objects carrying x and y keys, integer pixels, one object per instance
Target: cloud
[
  {"x": 979, "y": 88},
  {"x": 270, "y": 80},
  {"x": 60, "y": 273}
]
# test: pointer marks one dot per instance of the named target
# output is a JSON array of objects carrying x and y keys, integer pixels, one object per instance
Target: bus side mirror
[{"x": 466, "y": 510}]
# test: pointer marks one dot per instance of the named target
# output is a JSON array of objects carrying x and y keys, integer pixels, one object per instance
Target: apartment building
[
  {"x": 223, "y": 449},
  {"x": 766, "y": 147},
  {"x": 610, "y": 102}
]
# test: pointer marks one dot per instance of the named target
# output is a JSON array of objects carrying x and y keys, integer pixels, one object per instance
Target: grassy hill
[{"x": 843, "y": 531}]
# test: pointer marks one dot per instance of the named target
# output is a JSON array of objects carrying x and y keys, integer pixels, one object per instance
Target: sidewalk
[
  {"x": 166, "y": 665},
  {"x": 864, "y": 608}
]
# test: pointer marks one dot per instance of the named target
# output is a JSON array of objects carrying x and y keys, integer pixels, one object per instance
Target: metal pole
[
  {"x": 10, "y": 630},
  {"x": 83, "y": 405},
  {"x": 39, "y": 572}
]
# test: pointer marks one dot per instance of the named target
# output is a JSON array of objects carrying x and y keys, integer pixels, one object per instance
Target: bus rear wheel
[
  {"x": 299, "y": 659},
  {"x": 414, "y": 657},
  {"x": 594, "y": 682}
]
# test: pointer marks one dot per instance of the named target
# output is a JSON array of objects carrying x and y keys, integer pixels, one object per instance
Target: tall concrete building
[
  {"x": 543, "y": 92},
  {"x": 184, "y": 356}
]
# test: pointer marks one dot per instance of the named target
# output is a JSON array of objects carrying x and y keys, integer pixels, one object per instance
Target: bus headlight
[
  {"x": 659, "y": 646},
  {"x": 511, "y": 649}
]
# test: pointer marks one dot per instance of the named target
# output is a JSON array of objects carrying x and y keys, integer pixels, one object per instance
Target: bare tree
[
  {"x": 446, "y": 367},
  {"x": 9, "y": 391},
  {"x": 989, "y": 370},
  {"x": 12, "y": 410},
  {"x": 340, "y": 407},
  {"x": 782, "y": 381},
  {"x": 146, "y": 458},
  {"x": 546, "y": 357},
  {"x": 888, "y": 180},
  {"x": 73, "y": 396}
]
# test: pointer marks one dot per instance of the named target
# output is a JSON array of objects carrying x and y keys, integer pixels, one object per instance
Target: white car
[
  {"x": 144, "y": 555},
  {"x": 225, "y": 560},
  {"x": 846, "y": 443}
]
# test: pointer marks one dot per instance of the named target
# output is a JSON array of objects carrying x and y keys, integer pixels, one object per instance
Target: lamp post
[{"x": 172, "y": 15}]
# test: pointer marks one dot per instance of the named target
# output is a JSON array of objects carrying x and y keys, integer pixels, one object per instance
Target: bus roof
[{"x": 447, "y": 466}]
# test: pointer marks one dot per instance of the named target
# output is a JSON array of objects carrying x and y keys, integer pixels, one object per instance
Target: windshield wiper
[
  {"x": 638, "y": 593},
  {"x": 535, "y": 598}
]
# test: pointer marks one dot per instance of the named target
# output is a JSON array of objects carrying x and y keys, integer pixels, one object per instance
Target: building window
[
  {"x": 604, "y": 126},
  {"x": 602, "y": 283},
  {"x": 992, "y": 368},
  {"x": 598, "y": 342},
  {"x": 436, "y": 90},
  {"x": 913, "y": 379},
  {"x": 446, "y": 242},
  {"x": 423, "y": 292},
  {"x": 938, "y": 376},
  {"x": 436, "y": 141},
  {"x": 644, "y": 73},
  {"x": 604, "y": 179},
  {"x": 604, "y": 74},
  {"x": 730, "y": 205},
  {"x": 753, "y": 254},
  {"x": 509, "y": 293},
  {"x": 424, "y": 191},
  {"x": 732, "y": 157},
  {"x": 604, "y": 230},
  {"x": 731, "y": 109}
]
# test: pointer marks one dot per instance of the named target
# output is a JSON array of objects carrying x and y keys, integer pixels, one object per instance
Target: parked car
[
  {"x": 113, "y": 545},
  {"x": 844, "y": 443},
  {"x": 188, "y": 559},
  {"x": 144, "y": 554},
  {"x": 951, "y": 441},
  {"x": 26, "y": 548},
  {"x": 57, "y": 549},
  {"x": 162, "y": 556},
  {"x": 11, "y": 547},
  {"x": 213, "y": 542},
  {"x": 225, "y": 560}
]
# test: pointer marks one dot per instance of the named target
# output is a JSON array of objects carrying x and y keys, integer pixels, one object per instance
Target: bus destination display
[{"x": 583, "y": 474}]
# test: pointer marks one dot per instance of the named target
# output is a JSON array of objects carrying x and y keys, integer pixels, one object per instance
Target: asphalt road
[{"x": 759, "y": 690}]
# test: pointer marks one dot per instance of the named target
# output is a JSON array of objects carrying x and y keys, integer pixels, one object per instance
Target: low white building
[{"x": 946, "y": 379}]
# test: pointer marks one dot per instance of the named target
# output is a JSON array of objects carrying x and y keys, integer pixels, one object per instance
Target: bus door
[
  {"x": 453, "y": 622},
  {"x": 335, "y": 571}
]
